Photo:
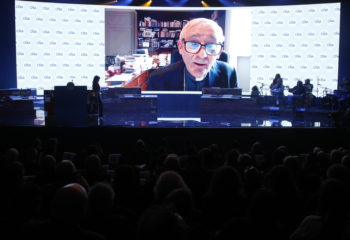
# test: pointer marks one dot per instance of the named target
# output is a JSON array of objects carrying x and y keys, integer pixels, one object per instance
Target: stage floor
[
  {"x": 265, "y": 119},
  {"x": 266, "y": 116}
]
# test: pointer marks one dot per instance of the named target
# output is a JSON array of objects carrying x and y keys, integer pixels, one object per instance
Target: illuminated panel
[
  {"x": 299, "y": 42},
  {"x": 58, "y": 43}
]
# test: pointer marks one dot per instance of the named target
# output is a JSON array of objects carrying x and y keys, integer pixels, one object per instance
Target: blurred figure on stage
[
  {"x": 298, "y": 92},
  {"x": 255, "y": 94},
  {"x": 277, "y": 90},
  {"x": 70, "y": 85},
  {"x": 97, "y": 93},
  {"x": 297, "y": 89},
  {"x": 274, "y": 81},
  {"x": 309, "y": 97}
]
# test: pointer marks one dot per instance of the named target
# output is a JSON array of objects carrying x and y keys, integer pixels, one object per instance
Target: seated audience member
[
  {"x": 282, "y": 182},
  {"x": 172, "y": 163},
  {"x": 200, "y": 45},
  {"x": 46, "y": 173},
  {"x": 126, "y": 185},
  {"x": 52, "y": 147},
  {"x": 224, "y": 199},
  {"x": 161, "y": 222},
  {"x": 332, "y": 218},
  {"x": 102, "y": 216},
  {"x": 166, "y": 182},
  {"x": 93, "y": 171},
  {"x": 231, "y": 157},
  {"x": 262, "y": 220},
  {"x": 65, "y": 173},
  {"x": 68, "y": 209},
  {"x": 345, "y": 161}
]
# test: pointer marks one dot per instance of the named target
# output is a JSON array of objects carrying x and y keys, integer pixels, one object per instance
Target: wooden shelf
[{"x": 161, "y": 34}]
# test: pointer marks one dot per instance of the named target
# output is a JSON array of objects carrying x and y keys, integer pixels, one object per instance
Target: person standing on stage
[{"x": 97, "y": 90}]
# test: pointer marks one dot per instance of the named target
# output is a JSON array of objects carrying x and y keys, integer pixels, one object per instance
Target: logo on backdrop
[
  {"x": 298, "y": 35},
  {"x": 53, "y": 37}
]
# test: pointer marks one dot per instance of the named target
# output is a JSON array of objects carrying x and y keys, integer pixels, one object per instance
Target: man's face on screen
[{"x": 198, "y": 64}]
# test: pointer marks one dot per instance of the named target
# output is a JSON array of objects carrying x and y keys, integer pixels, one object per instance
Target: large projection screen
[{"x": 57, "y": 43}]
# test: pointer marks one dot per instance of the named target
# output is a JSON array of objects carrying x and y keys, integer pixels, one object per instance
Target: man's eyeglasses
[{"x": 213, "y": 49}]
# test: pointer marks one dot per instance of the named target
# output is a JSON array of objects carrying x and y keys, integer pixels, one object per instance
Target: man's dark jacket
[{"x": 171, "y": 78}]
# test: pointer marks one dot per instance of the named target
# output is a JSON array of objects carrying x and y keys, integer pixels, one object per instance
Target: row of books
[
  {"x": 149, "y": 22},
  {"x": 169, "y": 34},
  {"x": 148, "y": 43},
  {"x": 157, "y": 33},
  {"x": 156, "y": 43}
]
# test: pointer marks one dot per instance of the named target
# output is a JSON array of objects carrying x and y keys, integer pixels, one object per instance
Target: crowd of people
[
  {"x": 171, "y": 192},
  {"x": 302, "y": 92}
]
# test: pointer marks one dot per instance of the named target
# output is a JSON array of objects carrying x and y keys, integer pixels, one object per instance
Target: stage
[
  {"x": 165, "y": 110},
  {"x": 182, "y": 118}
]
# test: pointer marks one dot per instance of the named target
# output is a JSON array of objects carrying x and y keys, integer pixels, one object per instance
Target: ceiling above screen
[{"x": 194, "y": 3}]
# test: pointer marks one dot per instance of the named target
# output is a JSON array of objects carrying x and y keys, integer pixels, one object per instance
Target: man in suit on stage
[{"x": 200, "y": 45}]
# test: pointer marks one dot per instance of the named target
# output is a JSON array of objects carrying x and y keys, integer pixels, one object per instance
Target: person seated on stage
[
  {"x": 255, "y": 94},
  {"x": 298, "y": 94},
  {"x": 309, "y": 97},
  {"x": 200, "y": 45},
  {"x": 308, "y": 86},
  {"x": 298, "y": 89},
  {"x": 274, "y": 81},
  {"x": 277, "y": 90}
]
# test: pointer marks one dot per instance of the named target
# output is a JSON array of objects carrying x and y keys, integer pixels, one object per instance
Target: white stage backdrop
[
  {"x": 57, "y": 43},
  {"x": 298, "y": 42}
]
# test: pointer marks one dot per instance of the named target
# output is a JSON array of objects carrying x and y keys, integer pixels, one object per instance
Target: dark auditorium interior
[{"x": 236, "y": 179}]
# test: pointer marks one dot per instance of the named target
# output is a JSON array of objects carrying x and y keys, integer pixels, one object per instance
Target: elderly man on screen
[{"x": 200, "y": 45}]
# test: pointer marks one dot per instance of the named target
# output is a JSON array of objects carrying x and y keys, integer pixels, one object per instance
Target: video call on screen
[{"x": 57, "y": 43}]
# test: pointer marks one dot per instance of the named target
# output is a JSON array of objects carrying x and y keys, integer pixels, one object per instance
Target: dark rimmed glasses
[{"x": 213, "y": 49}]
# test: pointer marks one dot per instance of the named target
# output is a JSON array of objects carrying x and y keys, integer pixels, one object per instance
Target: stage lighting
[
  {"x": 119, "y": 2},
  {"x": 176, "y": 3},
  {"x": 110, "y": 2},
  {"x": 204, "y": 4},
  {"x": 147, "y": 4}
]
